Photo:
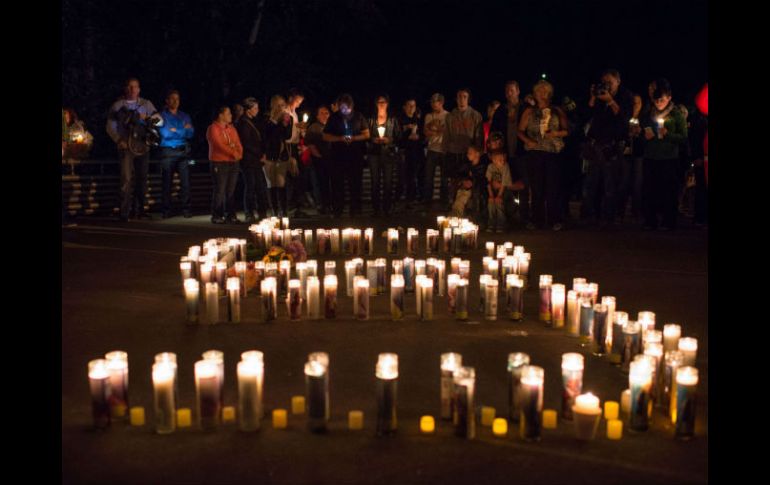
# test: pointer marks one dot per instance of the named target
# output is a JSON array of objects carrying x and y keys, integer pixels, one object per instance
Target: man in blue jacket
[{"x": 175, "y": 136}]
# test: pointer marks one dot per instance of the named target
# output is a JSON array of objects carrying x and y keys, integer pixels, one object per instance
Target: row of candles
[
  {"x": 461, "y": 237},
  {"x": 108, "y": 380}
]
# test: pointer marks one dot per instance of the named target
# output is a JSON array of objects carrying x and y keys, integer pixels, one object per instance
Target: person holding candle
[
  {"x": 277, "y": 129},
  {"x": 665, "y": 129},
  {"x": 250, "y": 130},
  {"x": 381, "y": 155},
  {"x": 434, "y": 134},
  {"x": 412, "y": 146},
  {"x": 347, "y": 131}
]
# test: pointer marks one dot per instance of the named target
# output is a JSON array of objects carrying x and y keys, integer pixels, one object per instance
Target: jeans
[
  {"x": 660, "y": 192},
  {"x": 347, "y": 164},
  {"x": 630, "y": 185},
  {"x": 604, "y": 173},
  {"x": 544, "y": 170},
  {"x": 381, "y": 170},
  {"x": 324, "y": 178},
  {"x": 133, "y": 181},
  {"x": 414, "y": 168},
  {"x": 225, "y": 177},
  {"x": 433, "y": 160},
  {"x": 173, "y": 159},
  {"x": 499, "y": 212},
  {"x": 254, "y": 189}
]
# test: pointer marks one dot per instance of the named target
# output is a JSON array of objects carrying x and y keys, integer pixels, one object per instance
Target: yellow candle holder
[
  {"x": 228, "y": 414},
  {"x": 298, "y": 405},
  {"x": 614, "y": 429},
  {"x": 487, "y": 415},
  {"x": 183, "y": 417},
  {"x": 500, "y": 427},
  {"x": 280, "y": 419},
  {"x": 356, "y": 420},
  {"x": 427, "y": 424},
  {"x": 549, "y": 419},
  {"x": 611, "y": 410},
  {"x": 137, "y": 416}
]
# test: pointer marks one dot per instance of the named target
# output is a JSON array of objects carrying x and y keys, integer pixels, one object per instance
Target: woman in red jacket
[{"x": 225, "y": 151}]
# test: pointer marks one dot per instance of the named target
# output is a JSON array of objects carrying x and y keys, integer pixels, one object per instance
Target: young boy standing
[{"x": 499, "y": 189}]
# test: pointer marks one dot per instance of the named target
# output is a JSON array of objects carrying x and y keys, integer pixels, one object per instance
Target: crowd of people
[{"x": 520, "y": 167}]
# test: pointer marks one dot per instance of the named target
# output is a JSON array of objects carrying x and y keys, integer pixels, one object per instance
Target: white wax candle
[
  {"x": 163, "y": 376},
  {"x": 689, "y": 348},
  {"x": 671, "y": 335},
  {"x": 250, "y": 378},
  {"x": 387, "y": 366},
  {"x": 313, "y": 289},
  {"x": 330, "y": 296},
  {"x": 212, "y": 302},
  {"x": 234, "y": 299},
  {"x": 587, "y": 403},
  {"x": 557, "y": 305}
]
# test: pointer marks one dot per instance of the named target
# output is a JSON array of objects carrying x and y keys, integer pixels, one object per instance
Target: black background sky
[{"x": 365, "y": 47}]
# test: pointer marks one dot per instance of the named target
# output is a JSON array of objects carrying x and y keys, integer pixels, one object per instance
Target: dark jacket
[
  {"x": 275, "y": 136},
  {"x": 500, "y": 123},
  {"x": 250, "y": 132}
]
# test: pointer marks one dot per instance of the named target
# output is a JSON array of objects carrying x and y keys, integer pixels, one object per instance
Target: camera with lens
[{"x": 601, "y": 89}]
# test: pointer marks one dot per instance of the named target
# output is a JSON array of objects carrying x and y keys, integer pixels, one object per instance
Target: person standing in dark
[
  {"x": 126, "y": 121},
  {"x": 277, "y": 129},
  {"x": 434, "y": 134},
  {"x": 296, "y": 183},
  {"x": 176, "y": 133},
  {"x": 225, "y": 150},
  {"x": 506, "y": 121},
  {"x": 319, "y": 152},
  {"x": 250, "y": 129},
  {"x": 463, "y": 127},
  {"x": 347, "y": 132},
  {"x": 610, "y": 109},
  {"x": 412, "y": 143},
  {"x": 381, "y": 155}
]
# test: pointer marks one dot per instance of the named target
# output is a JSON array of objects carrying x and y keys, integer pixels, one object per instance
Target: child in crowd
[
  {"x": 500, "y": 190},
  {"x": 471, "y": 191}
]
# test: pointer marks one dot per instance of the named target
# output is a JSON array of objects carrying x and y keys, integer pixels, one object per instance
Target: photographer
[
  {"x": 128, "y": 124},
  {"x": 610, "y": 108},
  {"x": 175, "y": 136}
]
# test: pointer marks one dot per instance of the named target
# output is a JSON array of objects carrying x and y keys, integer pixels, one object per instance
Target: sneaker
[
  {"x": 165, "y": 215},
  {"x": 233, "y": 220},
  {"x": 187, "y": 214},
  {"x": 557, "y": 227},
  {"x": 217, "y": 220},
  {"x": 250, "y": 219}
]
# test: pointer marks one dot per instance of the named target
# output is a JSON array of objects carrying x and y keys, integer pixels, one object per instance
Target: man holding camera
[
  {"x": 127, "y": 124},
  {"x": 175, "y": 136},
  {"x": 610, "y": 107}
]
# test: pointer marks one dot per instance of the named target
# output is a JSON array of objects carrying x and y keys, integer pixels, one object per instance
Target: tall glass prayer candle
[
  {"x": 301, "y": 269},
  {"x": 259, "y": 270},
  {"x": 99, "y": 383},
  {"x": 655, "y": 350},
  {"x": 242, "y": 250},
  {"x": 427, "y": 300},
  {"x": 587, "y": 414},
  {"x": 191, "y": 294},
  {"x": 330, "y": 296},
  {"x": 170, "y": 358},
  {"x": 418, "y": 295},
  {"x": 513, "y": 297},
  {"x": 369, "y": 241},
  {"x": 431, "y": 241},
  {"x": 206, "y": 270},
  {"x": 688, "y": 346},
  {"x": 193, "y": 255},
  {"x": 646, "y": 321},
  {"x": 545, "y": 298},
  {"x": 465, "y": 269},
  {"x": 517, "y": 250},
  {"x": 381, "y": 265},
  {"x": 419, "y": 267},
  {"x": 616, "y": 349},
  {"x": 684, "y": 411},
  {"x": 441, "y": 268},
  {"x": 610, "y": 301},
  {"x": 490, "y": 246},
  {"x": 397, "y": 297},
  {"x": 586, "y": 321},
  {"x": 461, "y": 304},
  {"x": 240, "y": 271},
  {"x": 284, "y": 275},
  {"x": 572, "y": 365},
  {"x": 356, "y": 244},
  {"x": 412, "y": 241},
  {"x": 631, "y": 343},
  {"x": 334, "y": 240},
  {"x": 308, "y": 241},
  {"x": 212, "y": 302},
  {"x": 386, "y": 372},
  {"x": 346, "y": 240},
  {"x": 313, "y": 296},
  {"x": 593, "y": 290},
  {"x": 557, "y": 305},
  {"x": 457, "y": 240},
  {"x": 485, "y": 264},
  {"x": 330, "y": 267},
  {"x": 652, "y": 336},
  {"x": 207, "y": 394},
  {"x": 251, "y": 373},
  {"x": 269, "y": 298},
  {"x": 516, "y": 362},
  {"x": 164, "y": 397},
  {"x": 218, "y": 357},
  {"x": 524, "y": 268},
  {"x": 464, "y": 413},
  {"x": 362, "y": 304},
  {"x": 312, "y": 267},
  {"x": 371, "y": 275},
  {"x": 501, "y": 254},
  {"x": 454, "y": 266},
  {"x": 440, "y": 220},
  {"x": 355, "y": 293},
  {"x": 185, "y": 268},
  {"x": 317, "y": 395},
  {"x": 531, "y": 402},
  {"x": 350, "y": 273},
  {"x": 599, "y": 332},
  {"x": 573, "y": 314},
  {"x": 452, "y": 281},
  {"x": 446, "y": 240},
  {"x": 483, "y": 279},
  {"x": 493, "y": 269},
  {"x": 221, "y": 275},
  {"x": 117, "y": 367},
  {"x": 508, "y": 248},
  {"x": 490, "y": 299},
  {"x": 671, "y": 334},
  {"x": 450, "y": 362},
  {"x": 234, "y": 299},
  {"x": 673, "y": 361},
  {"x": 284, "y": 223},
  {"x": 322, "y": 242},
  {"x": 409, "y": 275},
  {"x": 392, "y": 241},
  {"x": 359, "y": 266},
  {"x": 509, "y": 266},
  {"x": 294, "y": 300},
  {"x": 271, "y": 269},
  {"x": 640, "y": 383}
]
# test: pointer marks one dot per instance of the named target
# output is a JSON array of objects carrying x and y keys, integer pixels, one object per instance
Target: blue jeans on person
[
  {"x": 133, "y": 182},
  {"x": 174, "y": 159},
  {"x": 381, "y": 171},
  {"x": 603, "y": 173},
  {"x": 254, "y": 189},
  {"x": 433, "y": 160},
  {"x": 225, "y": 178},
  {"x": 500, "y": 212}
]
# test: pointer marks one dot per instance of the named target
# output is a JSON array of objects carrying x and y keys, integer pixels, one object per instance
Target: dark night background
[{"x": 365, "y": 47}]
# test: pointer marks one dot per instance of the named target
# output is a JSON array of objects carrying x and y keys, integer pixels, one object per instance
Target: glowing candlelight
[
  {"x": 689, "y": 348},
  {"x": 587, "y": 414},
  {"x": 386, "y": 372},
  {"x": 397, "y": 297},
  {"x": 572, "y": 365},
  {"x": 164, "y": 397},
  {"x": 330, "y": 296},
  {"x": 464, "y": 417},
  {"x": 99, "y": 383}
]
